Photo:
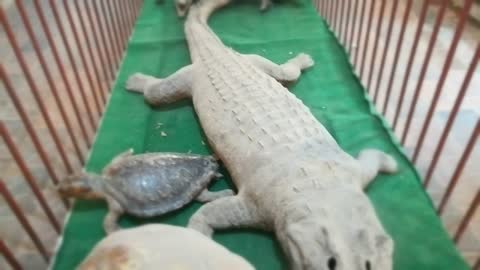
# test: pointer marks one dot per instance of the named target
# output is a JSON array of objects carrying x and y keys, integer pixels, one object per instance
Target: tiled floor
[{"x": 470, "y": 244}]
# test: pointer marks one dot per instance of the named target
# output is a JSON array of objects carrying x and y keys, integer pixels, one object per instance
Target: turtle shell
[{"x": 156, "y": 183}]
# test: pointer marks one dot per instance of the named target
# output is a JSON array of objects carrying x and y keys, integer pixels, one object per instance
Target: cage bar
[
  {"x": 423, "y": 71},
  {"x": 411, "y": 58},
  {"x": 17, "y": 211},
  {"x": 133, "y": 11},
  {"x": 108, "y": 26},
  {"x": 90, "y": 51},
  {"x": 50, "y": 81},
  {"x": 92, "y": 92},
  {"x": 129, "y": 15},
  {"x": 28, "y": 125},
  {"x": 367, "y": 38},
  {"x": 468, "y": 217},
  {"x": 396, "y": 57},
  {"x": 34, "y": 89},
  {"x": 342, "y": 20},
  {"x": 326, "y": 8},
  {"x": 385, "y": 51},
  {"x": 103, "y": 39},
  {"x": 115, "y": 29},
  {"x": 333, "y": 22},
  {"x": 352, "y": 29},
  {"x": 452, "y": 116},
  {"x": 347, "y": 23},
  {"x": 8, "y": 255},
  {"x": 375, "y": 45},
  {"x": 359, "y": 35},
  {"x": 102, "y": 57},
  {"x": 107, "y": 46},
  {"x": 459, "y": 169},
  {"x": 68, "y": 49},
  {"x": 32, "y": 182},
  {"x": 121, "y": 24},
  {"x": 73, "y": 27},
  {"x": 61, "y": 68},
  {"x": 125, "y": 16},
  {"x": 464, "y": 14}
]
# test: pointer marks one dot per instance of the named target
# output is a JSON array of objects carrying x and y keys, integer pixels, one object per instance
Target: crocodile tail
[
  {"x": 198, "y": 33},
  {"x": 202, "y": 10}
]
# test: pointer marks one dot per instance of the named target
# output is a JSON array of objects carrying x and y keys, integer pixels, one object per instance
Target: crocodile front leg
[
  {"x": 287, "y": 72},
  {"x": 374, "y": 161},
  {"x": 162, "y": 91},
  {"x": 223, "y": 213}
]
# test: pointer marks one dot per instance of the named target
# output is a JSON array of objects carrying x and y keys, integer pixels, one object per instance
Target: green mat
[{"x": 330, "y": 90}]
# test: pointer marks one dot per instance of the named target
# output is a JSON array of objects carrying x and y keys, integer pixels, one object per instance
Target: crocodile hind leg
[
  {"x": 162, "y": 91},
  {"x": 226, "y": 212},
  {"x": 287, "y": 72},
  {"x": 208, "y": 196},
  {"x": 375, "y": 161}
]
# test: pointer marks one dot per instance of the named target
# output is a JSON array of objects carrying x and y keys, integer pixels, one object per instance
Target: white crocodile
[{"x": 291, "y": 175}]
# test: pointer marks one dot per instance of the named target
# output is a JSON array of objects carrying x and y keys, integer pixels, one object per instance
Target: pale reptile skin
[
  {"x": 161, "y": 247},
  {"x": 146, "y": 185},
  {"x": 182, "y": 6},
  {"x": 292, "y": 176}
]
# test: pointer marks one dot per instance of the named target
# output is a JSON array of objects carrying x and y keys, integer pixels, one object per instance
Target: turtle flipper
[
  {"x": 208, "y": 196},
  {"x": 110, "y": 222}
]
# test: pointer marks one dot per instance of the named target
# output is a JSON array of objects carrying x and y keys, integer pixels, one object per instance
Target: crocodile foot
[
  {"x": 303, "y": 61},
  {"x": 373, "y": 162},
  {"x": 138, "y": 82},
  {"x": 389, "y": 165}
]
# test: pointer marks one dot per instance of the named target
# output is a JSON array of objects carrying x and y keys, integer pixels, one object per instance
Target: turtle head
[{"x": 81, "y": 185}]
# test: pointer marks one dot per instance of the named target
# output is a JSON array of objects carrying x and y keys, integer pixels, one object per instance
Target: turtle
[{"x": 146, "y": 185}]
